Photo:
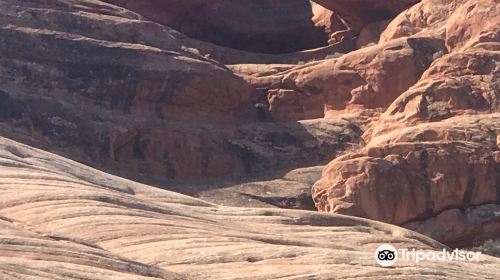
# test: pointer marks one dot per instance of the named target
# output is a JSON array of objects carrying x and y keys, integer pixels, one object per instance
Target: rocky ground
[
  {"x": 63, "y": 220},
  {"x": 384, "y": 111}
]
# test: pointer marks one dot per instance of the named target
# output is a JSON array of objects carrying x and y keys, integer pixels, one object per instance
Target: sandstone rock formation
[
  {"x": 421, "y": 171},
  {"x": 267, "y": 26},
  {"x": 167, "y": 83},
  {"x": 369, "y": 79},
  {"x": 358, "y": 13},
  {"x": 288, "y": 189},
  {"x": 431, "y": 162},
  {"x": 370, "y": 34},
  {"x": 241, "y": 103},
  {"x": 68, "y": 221},
  {"x": 143, "y": 109},
  {"x": 27, "y": 254}
]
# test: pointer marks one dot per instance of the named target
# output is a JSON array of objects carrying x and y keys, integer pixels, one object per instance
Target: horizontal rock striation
[{"x": 69, "y": 221}]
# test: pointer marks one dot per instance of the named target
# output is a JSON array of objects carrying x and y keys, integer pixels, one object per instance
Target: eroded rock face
[
  {"x": 370, "y": 79},
  {"x": 457, "y": 84},
  {"x": 465, "y": 81},
  {"x": 370, "y": 34},
  {"x": 142, "y": 108},
  {"x": 427, "y": 17},
  {"x": 417, "y": 172},
  {"x": 373, "y": 77},
  {"x": 410, "y": 176},
  {"x": 289, "y": 189},
  {"x": 462, "y": 228},
  {"x": 431, "y": 162},
  {"x": 268, "y": 26}
]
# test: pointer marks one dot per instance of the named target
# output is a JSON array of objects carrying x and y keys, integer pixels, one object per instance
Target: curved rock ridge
[
  {"x": 118, "y": 74},
  {"x": 116, "y": 24},
  {"x": 265, "y": 26},
  {"x": 80, "y": 222},
  {"x": 268, "y": 26},
  {"x": 431, "y": 161}
]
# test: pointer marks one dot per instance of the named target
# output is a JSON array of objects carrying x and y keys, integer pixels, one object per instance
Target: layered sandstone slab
[
  {"x": 28, "y": 254},
  {"x": 80, "y": 222}
]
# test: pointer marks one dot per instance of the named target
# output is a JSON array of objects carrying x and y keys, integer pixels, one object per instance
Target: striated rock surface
[
  {"x": 28, "y": 254},
  {"x": 241, "y": 105},
  {"x": 79, "y": 222}
]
